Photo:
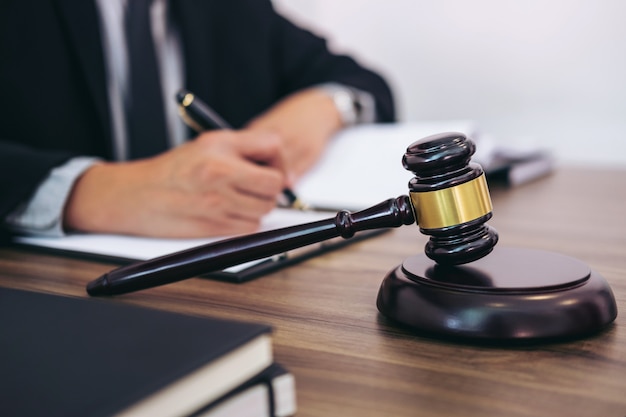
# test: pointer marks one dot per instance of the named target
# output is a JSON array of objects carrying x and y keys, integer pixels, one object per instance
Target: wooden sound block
[{"x": 512, "y": 294}]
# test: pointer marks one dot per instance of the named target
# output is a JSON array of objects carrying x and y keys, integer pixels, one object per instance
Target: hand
[
  {"x": 222, "y": 183},
  {"x": 305, "y": 121}
]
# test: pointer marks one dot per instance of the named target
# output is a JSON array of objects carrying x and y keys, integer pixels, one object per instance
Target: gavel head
[{"x": 450, "y": 198}]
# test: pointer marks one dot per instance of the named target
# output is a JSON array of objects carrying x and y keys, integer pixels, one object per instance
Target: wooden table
[{"x": 349, "y": 361}]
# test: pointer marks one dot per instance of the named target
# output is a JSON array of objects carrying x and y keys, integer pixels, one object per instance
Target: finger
[
  {"x": 216, "y": 204},
  {"x": 259, "y": 181},
  {"x": 251, "y": 162},
  {"x": 264, "y": 148},
  {"x": 196, "y": 227},
  {"x": 251, "y": 208},
  {"x": 235, "y": 203}
]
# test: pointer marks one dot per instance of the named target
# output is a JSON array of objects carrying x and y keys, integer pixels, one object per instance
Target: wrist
[
  {"x": 97, "y": 201},
  {"x": 344, "y": 101},
  {"x": 353, "y": 105}
]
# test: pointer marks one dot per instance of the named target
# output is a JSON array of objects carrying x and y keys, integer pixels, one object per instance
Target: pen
[{"x": 200, "y": 117}]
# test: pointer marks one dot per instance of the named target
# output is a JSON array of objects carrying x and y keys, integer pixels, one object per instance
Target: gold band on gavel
[{"x": 452, "y": 206}]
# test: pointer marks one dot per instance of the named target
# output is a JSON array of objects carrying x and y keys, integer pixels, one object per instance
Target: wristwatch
[{"x": 345, "y": 101}]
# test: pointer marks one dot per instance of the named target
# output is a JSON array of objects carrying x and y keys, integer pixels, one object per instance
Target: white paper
[
  {"x": 362, "y": 166},
  {"x": 143, "y": 248}
]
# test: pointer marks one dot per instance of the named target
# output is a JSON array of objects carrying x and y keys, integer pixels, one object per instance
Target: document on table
[
  {"x": 361, "y": 167},
  {"x": 125, "y": 249}
]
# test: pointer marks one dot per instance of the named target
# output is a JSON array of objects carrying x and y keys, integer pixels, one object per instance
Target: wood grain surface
[{"x": 350, "y": 361}]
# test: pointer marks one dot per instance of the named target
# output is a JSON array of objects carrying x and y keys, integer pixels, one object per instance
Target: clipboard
[{"x": 127, "y": 249}]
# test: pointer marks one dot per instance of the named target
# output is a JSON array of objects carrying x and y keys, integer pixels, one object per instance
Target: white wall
[{"x": 542, "y": 72}]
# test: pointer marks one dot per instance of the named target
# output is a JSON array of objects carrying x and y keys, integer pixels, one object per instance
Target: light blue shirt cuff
[{"x": 42, "y": 215}]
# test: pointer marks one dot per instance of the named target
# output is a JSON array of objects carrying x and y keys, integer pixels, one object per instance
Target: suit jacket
[{"x": 240, "y": 56}]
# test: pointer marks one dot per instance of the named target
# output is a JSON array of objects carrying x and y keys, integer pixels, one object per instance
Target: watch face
[
  {"x": 344, "y": 102},
  {"x": 345, "y": 105}
]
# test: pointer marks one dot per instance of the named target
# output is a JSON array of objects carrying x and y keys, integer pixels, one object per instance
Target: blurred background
[{"x": 539, "y": 73}]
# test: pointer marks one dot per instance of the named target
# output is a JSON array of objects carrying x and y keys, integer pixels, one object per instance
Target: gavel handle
[{"x": 226, "y": 253}]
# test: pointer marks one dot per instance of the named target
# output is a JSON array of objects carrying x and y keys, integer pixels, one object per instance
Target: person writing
[{"x": 90, "y": 139}]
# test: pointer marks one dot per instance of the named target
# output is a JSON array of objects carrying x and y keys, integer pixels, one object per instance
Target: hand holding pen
[
  {"x": 222, "y": 183},
  {"x": 200, "y": 117}
]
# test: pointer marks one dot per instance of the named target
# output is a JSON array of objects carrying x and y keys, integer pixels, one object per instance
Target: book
[
  {"x": 92, "y": 357},
  {"x": 511, "y": 167},
  {"x": 272, "y": 393}
]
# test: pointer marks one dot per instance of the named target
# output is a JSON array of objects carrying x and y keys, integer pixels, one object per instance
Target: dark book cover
[{"x": 66, "y": 356}]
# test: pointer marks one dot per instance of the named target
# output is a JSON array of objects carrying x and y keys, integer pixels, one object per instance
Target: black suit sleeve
[
  {"x": 242, "y": 57},
  {"x": 48, "y": 110},
  {"x": 305, "y": 60}
]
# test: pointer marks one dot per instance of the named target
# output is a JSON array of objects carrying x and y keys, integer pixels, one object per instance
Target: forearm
[{"x": 305, "y": 121}]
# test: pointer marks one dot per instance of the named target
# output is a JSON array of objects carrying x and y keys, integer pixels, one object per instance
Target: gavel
[
  {"x": 448, "y": 198},
  {"x": 452, "y": 289}
]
